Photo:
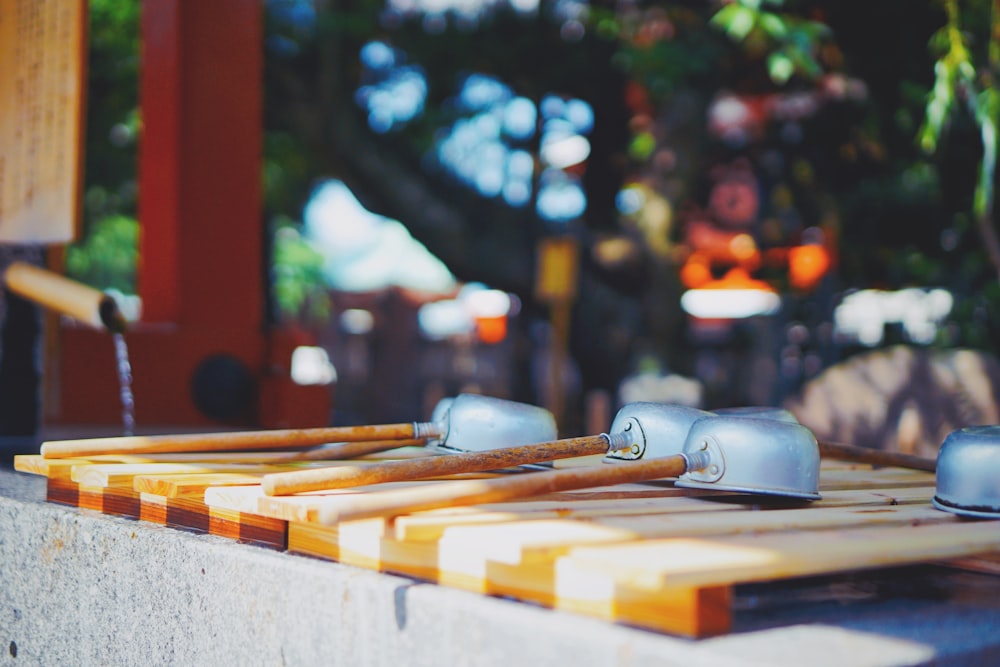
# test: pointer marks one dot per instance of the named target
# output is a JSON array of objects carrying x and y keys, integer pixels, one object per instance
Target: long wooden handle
[
  {"x": 341, "y": 451},
  {"x": 283, "y": 484},
  {"x": 218, "y": 442},
  {"x": 841, "y": 452},
  {"x": 474, "y": 492}
]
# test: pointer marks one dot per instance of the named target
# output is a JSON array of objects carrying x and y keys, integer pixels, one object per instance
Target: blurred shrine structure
[
  {"x": 750, "y": 254},
  {"x": 203, "y": 352},
  {"x": 388, "y": 366}
]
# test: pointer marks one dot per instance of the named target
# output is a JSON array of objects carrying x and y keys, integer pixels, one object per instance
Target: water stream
[{"x": 124, "y": 369}]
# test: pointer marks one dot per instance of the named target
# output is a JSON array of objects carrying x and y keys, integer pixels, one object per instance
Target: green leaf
[
  {"x": 780, "y": 67},
  {"x": 773, "y": 25},
  {"x": 735, "y": 20},
  {"x": 939, "y": 42},
  {"x": 983, "y": 201},
  {"x": 939, "y": 104},
  {"x": 803, "y": 61}
]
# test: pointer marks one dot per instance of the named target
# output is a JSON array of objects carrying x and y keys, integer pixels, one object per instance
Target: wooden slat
[
  {"x": 184, "y": 477},
  {"x": 431, "y": 525},
  {"x": 117, "y": 501},
  {"x": 306, "y": 507},
  {"x": 249, "y": 528},
  {"x": 191, "y": 514},
  {"x": 123, "y": 474},
  {"x": 726, "y": 560},
  {"x": 320, "y": 541},
  {"x": 62, "y": 491},
  {"x": 34, "y": 464},
  {"x": 456, "y": 553},
  {"x": 234, "y": 498},
  {"x": 303, "y": 507},
  {"x": 468, "y": 557},
  {"x": 516, "y": 542},
  {"x": 629, "y": 582},
  {"x": 522, "y": 560},
  {"x": 191, "y": 485},
  {"x": 463, "y": 555}
]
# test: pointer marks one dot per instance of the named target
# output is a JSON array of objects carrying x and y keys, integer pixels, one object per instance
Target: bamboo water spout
[{"x": 63, "y": 295}]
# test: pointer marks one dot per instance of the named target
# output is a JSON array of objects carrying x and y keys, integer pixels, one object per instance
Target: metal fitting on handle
[
  {"x": 620, "y": 440},
  {"x": 426, "y": 430},
  {"x": 698, "y": 460}
]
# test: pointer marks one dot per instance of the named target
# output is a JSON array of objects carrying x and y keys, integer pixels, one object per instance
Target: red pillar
[{"x": 200, "y": 163}]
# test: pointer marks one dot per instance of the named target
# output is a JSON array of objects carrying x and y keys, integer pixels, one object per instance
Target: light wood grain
[
  {"x": 425, "y": 526},
  {"x": 464, "y": 555},
  {"x": 123, "y": 474},
  {"x": 190, "y": 485},
  {"x": 43, "y": 85},
  {"x": 283, "y": 484},
  {"x": 374, "y": 437},
  {"x": 536, "y": 541},
  {"x": 725, "y": 560}
]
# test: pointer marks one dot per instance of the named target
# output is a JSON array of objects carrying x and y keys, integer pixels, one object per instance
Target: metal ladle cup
[
  {"x": 752, "y": 455},
  {"x": 471, "y": 422},
  {"x": 968, "y": 473}
]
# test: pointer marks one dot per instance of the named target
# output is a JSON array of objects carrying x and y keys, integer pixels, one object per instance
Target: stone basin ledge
[{"x": 79, "y": 587}]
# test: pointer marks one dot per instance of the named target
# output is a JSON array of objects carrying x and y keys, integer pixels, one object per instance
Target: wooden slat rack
[{"x": 647, "y": 555}]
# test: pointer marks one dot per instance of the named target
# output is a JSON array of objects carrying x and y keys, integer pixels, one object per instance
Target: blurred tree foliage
[
  {"x": 107, "y": 251},
  {"x": 913, "y": 169},
  {"x": 900, "y": 171},
  {"x": 297, "y": 279},
  {"x": 108, "y": 255}
]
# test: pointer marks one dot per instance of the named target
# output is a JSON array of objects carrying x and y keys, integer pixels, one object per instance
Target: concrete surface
[{"x": 81, "y": 588}]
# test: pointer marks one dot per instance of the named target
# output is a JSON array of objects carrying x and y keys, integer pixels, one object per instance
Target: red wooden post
[
  {"x": 159, "y": 169},
  {"x": 200, "y": 163}
]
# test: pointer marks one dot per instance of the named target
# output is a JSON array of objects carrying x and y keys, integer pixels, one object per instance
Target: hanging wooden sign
[
  {"x": 42, "y": 92},
  {"x": 556, "y": 270}
]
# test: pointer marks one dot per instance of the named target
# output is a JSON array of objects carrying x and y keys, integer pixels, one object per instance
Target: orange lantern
[
  {"x": 807, "y": 264},
  {"x": 696, "y": 271}
]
